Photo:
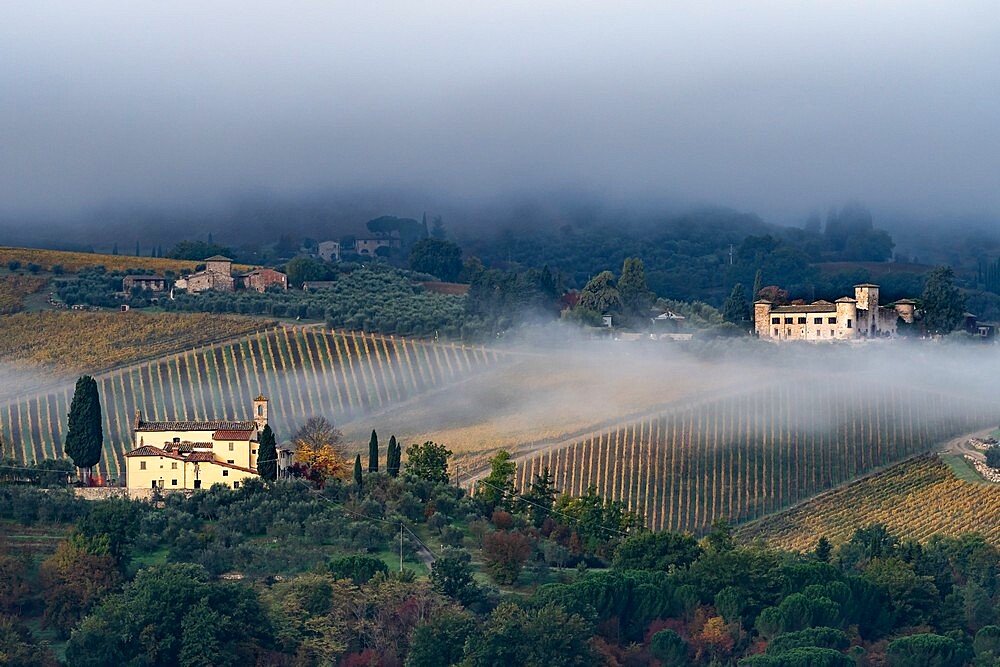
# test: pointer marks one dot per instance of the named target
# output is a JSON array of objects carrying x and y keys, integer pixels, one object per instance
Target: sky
[{"x": 774, "y": 107}]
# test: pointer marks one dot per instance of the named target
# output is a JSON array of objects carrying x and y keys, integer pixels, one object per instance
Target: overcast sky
[{"x": 775, "y": 107}]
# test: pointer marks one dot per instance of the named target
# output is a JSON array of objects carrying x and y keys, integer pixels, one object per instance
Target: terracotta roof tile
[
  {"x": 214, "y": 425},
  {"x": 233, "y": 434}
]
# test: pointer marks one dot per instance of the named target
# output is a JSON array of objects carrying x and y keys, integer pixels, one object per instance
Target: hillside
[
  {"x": 74, "y": 261},
  {"x": 39, "y": 348},
  {"x": 751, "y": 454},
  {"x": 914, "y": 499},
  {"x": 303, "y": 372}
]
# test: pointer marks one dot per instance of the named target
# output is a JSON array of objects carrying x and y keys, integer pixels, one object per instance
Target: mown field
[
  {"x": 303, "y": 372},
  {"x": 752, "y": 454},
  {"x": 915, "y": 499},
  {"x": 74, "y": 261}
]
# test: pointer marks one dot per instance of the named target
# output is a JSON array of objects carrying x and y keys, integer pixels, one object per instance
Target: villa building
[{"x": 194, "y": 454}]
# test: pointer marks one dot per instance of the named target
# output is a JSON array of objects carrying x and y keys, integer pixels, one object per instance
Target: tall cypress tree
[
  {"x": 758, "y": 283},
  {"x": 267, "y": 454},
  {"x": 736, "y": 309},
  {"x": 357, "y": 471},
  {"x": 373, "y": 452},
  {"x": 85, "y": 436},
  {"x": 392, "y": 458}
]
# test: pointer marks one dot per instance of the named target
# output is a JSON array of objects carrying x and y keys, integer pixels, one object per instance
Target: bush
[{"x": 359, "y": 569}]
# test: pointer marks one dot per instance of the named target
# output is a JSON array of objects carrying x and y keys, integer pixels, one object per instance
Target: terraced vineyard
[
  {"x": 303, "y": 372},
  {"x": 751, "y": 454},
  {"x": 917, "y": 498},
  {"x": 74, "y": 261}
]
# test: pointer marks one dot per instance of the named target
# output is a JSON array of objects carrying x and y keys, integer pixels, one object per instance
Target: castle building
[
  {"x": 846, "y": 319},
  {"x": 194, "y": 454}
]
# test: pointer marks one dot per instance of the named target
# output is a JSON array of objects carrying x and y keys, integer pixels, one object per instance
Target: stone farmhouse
[
  {"x": 368, "y": 245},
  {"x": 329, "y": 251},
  {"x": 218, "y": 276},
  {"x": 860, "y": 317},
  {"x": 174, "y": 455}
]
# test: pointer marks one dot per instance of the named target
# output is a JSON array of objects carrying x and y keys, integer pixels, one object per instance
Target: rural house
[
  {"x": 260, "y": 279},
  {"x": 846, "y": 319},
  {"x": 148, "y": 283},
  {"x": 194, "y": 454},
  {"x": 217, "y": 275}
]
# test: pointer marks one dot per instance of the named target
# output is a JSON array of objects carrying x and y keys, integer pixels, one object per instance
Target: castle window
[
  {"x": 848, "y": 324},
  {"x": 775, "y": 320},
  {"x": 802, "y": 320},
  {"x": 173, "y": 466},
  {"x": 817, "y": 320},
  {"x": 142, "y": 465},
  {"x": 788, "y": 320},
  {"x": 225, "y": 473},
  {"x": 831, "y": 320}
]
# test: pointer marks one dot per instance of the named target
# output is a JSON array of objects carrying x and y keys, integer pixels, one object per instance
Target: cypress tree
[
  {"x": 85, "y": 435},
  {"x": 736, "y": 309},
  {"x": 357, "y": 471},
  {"x": 373, "y": 452},
  {"x": 267, "y": 455},
  {"x": 758, "y": 284},
  {"x": 392, "y": 458}
]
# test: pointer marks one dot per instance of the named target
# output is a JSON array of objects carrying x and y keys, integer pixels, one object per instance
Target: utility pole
[{"x": 730, "y": 254}]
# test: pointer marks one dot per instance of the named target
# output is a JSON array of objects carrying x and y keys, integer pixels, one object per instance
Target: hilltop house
[
  {"x": 369, "y": 245},
  {"x": 194, "y": 454},
  {"x": 846, "y": 319},
  {"x": 329, "y": 251}
]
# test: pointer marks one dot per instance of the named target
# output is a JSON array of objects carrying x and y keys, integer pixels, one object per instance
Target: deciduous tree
[{"x": 428, "y": 461}]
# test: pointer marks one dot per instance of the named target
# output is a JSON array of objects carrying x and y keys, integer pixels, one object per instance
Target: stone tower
[
  {"x": 260, "y": 411},
  {"x": 847, "y": 317},
  {"x": 762, "y": 318},
  {"x": 866, "y": 295}
]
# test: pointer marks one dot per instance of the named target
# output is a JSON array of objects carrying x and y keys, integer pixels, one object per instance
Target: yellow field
[
  {"x": 74, "y": 261},
  {"x": 67, "y": 343},
  {"x": 915, "y": 499},
  {"x": 14, "y": 289}
]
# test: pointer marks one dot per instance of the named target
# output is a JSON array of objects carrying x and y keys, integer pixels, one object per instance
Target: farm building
[
  {"x": 217, "y": 275},
  {"x": 194, "y": 454},
  {"x": 846, "y": 319},
  {"x": 329, "y": 251},
  {"x": 369, "y": 245},
  {"x": 260, "y": 279}
]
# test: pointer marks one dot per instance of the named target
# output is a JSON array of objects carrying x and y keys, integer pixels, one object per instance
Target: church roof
[
  {"x": 211, "y": 425},
  {"x": 149, "y": 450}
]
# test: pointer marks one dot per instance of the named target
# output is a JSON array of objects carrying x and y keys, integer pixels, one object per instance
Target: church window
[
  {"x": 230, "y": 461},
  {"x": 236, "y": 485},
  {"x": 225, "y": 473},
  {"x": 173, "y": 466},
  {"x": 230, "y": 446},
  {"x": 173, "y": 482},
  {"x": 142, "y": 465},
  {"x": 260, "y": 410},
  {"x": 177, "y": 439}
]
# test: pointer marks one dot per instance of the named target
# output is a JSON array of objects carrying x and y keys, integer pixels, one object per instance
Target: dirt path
[{"x": 961, "y": 446}]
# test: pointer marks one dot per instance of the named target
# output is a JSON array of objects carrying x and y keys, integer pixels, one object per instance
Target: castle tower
[
  {"x": 762, "y": 318},
  {"x": 847, "y": 317},
  {"x": 905, "y": 308},
  {"x": 260, "y": 411},
  {"x": 866, "y": 295}
]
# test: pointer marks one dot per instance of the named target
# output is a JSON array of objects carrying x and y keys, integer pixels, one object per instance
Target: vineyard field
[
  {"x": 14, "y": 289},
  {"x": 914, "y": 499},
  {"x": 752, "y": 454},
  {"x": 304, "y": 372}
]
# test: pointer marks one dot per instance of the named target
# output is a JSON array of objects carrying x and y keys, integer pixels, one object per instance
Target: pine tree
[
  {"x": 357, "y": 472},
  {"x": 736, "y": 309},
  {"x": 373, "y": 452},
  {"x": 392, "y": 458},
  {"x": 85, "y": 435},
  {"x": 267, "y": 455},
  {"x": 823, "y": 550}
]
